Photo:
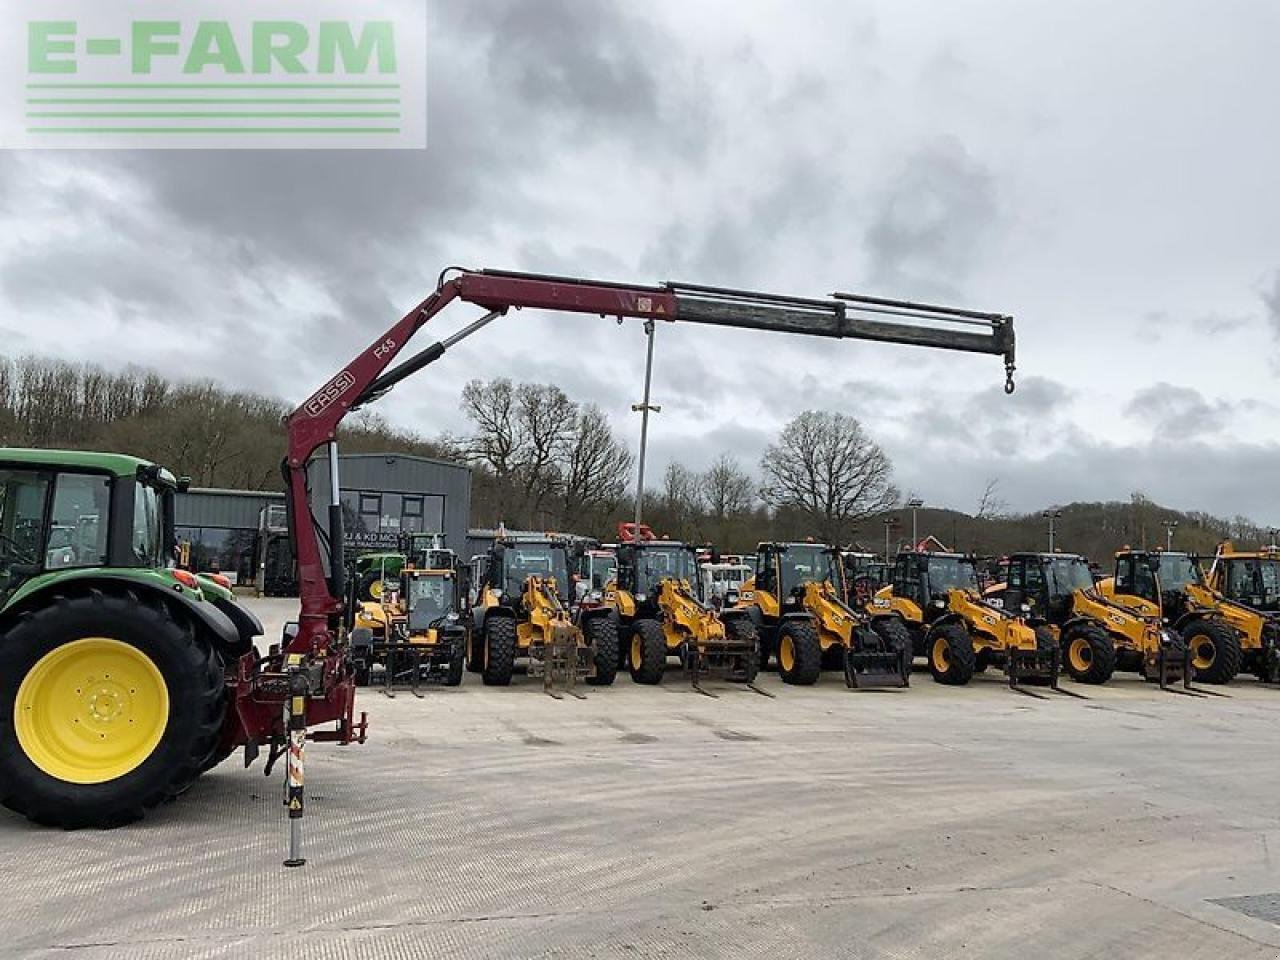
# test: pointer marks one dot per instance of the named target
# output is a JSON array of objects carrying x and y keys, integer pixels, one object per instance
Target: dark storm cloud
[
  {"x": 1175, "y": 410},
  {"x": 932, "y": 219}
]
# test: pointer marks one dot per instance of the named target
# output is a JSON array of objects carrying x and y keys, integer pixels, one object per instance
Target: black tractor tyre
[
  {"x": 806, "y": 653},
  {"x": 741, "y": 630},
  {"x": 896, "y": 637},
  {"x": 647, "y": 652},
  {"x": 192, "y": 673},
  {"x": 951, "y": 656},
  {"x": 833, "y": 658},
  {"x": 499, "y": 651},
  {"x": 1089, "y": 653},
  {"x": 453, "y": 676},
  {"x": 602, "y": 637},
  {"x": 365, "y": 591},
  {"x": 1223, "y": 645}
]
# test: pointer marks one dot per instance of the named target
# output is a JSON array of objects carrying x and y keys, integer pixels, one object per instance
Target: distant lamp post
[
  {"x": 1052, "y": 516},
  {"x": 1272, "y": 533},
  {"x": 915, "y": 503},
  {"x": 1169, "y": 527},
  {"x": 889, "y": 524}
]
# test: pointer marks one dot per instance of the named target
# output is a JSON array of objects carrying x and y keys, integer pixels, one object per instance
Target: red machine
[{"x": 314, "y": 658}]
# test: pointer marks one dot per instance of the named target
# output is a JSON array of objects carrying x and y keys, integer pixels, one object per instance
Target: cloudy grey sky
[{"x": 1103, "y": 171}]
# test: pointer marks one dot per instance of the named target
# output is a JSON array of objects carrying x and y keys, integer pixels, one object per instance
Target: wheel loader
[
  {"x": 796, "y": 600},
  {"x": 660, "y": 615},
  {"x": 521, "y": 612},
  {"x": 935, "y": 596},
  {"x": 1223, "y": 636},
  {"x": 864, "y": 574},
  {"x": 1097, "y": 635},
  {"x": 416, "y": 630}
]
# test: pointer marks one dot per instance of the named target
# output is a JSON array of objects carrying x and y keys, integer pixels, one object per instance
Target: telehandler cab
[
  {"x": 1223, "y": 636},
  {"x": 521, "y": 612},
  {"x": 935, "y": 596},
  {"x": 1252, "y": 579},
  {"x": 1096, "y": 634},
  {"x": 660, "y": 616},
  {"x": 796, "y": 602}
]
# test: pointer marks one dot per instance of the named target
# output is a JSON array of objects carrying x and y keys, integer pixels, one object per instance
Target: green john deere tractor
[{"x": 113, "y": 664}]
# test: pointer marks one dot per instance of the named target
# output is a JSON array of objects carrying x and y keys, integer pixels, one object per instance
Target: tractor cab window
[
  {"x": 147, "y": 539},
  {"x": 22, "y": 502},
  {"x": 766, "y": 573},
  {"x": 428, "y": 599},
  {"x": 1269, "y": 574},
  {"x": 655, "y": 564},
  {"x": 950, "y": 573},
  {"x": 803, "y": 564},
  {"x": 77, "y": 532},
  {"x": 544, "y": 560},
  {"x": 1178, "y": 571},
  {"x": 907, "y": 581},
  {"x": 1242, "y": 580},
  {"x": 1067, "y": 575}
]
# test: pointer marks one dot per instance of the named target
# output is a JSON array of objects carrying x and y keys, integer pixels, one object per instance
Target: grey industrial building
[{"x": 383, "y": 495}]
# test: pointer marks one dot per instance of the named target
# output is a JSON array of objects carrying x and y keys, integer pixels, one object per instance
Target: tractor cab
[
  {"x": 1251, "y": 579},
  {"x": 643, "y": 565},
  {"x": 425, "y": 551},
  {"x": 511, "y": 563},
  {"x": 783, "y": 570},
  {"x": 926, "y": 579},
  {"x": 1045, "y": 582},
  {"x": 1159, "y": 577},
  {"x": 864, "y": 574}
]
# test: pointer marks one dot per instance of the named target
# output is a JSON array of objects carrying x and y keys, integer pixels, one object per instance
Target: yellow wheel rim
[
  {"x": 91, "y": 710},
  {"x": 375, "y": 589},
  {"x": 637, "y": 652},
  {"x": 1080, "y": 654},
  {"x": 1202, "y": 653},
  {"x": 787, "y": 654},
  {"x": 941, "y": 655}
]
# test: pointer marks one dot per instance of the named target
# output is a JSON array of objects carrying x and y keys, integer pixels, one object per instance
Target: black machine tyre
[
  {"x": 742, "y": 630},
  {"x": 951, "y": 655},
  {"x": 499, "y": 651},
  {"x": 1089, "y": 653},
  {"x": 1217, "y": 648},
  {"x": 896, "y": 635},
  {"x": 602, "y": 637},
  {"x": 365, "y": 590},
  {"x": 453, "y": 676},
  {"x": 647, "y": 656},
  {"x": 192, "y": 674},
  {"x": 799, "y": 653}
]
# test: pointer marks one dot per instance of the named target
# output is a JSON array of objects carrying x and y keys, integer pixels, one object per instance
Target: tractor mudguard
[
  {"x": 590, "y": 613},
  {"x": 246, "y": 621},
  {"x": 225, "y": 634}
]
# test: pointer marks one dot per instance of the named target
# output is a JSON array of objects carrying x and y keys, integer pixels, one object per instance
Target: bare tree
[
  {"x": 990, "y": 505},
  {"x": 595, "y": 471},
  {"x": 825, "y": 466}
]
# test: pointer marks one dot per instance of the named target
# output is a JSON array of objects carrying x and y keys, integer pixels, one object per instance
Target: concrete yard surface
[{"x": 654, "y": 822}]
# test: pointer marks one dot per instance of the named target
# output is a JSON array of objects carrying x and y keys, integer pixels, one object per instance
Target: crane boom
[{"x": 314, "y": 423}]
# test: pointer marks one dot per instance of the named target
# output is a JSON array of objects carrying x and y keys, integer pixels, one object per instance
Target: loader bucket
[
  {"x": 563, "y": 660},
  {"x": 872, "y": 662},
  {"x": 1170, "y": 665},
  {"x": 1039, "y": 667}
]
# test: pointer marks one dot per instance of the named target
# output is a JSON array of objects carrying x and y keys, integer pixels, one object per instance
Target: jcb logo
[
  {"x": 610, "y": 597},
  {"x": 327, "y": 395},
  {"x": 384, "y": 348},
  {"x": 748, "y": 595},
  {"x": 880, "y": 602}
]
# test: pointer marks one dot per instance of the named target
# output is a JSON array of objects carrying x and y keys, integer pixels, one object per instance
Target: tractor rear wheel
[
  {"x": 1089, "y": 653},
  {"x": 799, "y": 653},
  {"x": 499, "y": 645},
  {"x": 108, "y": 706},
  {"x": 602, "y": 637},
  {"x": 951, "y": 656},
  {"x": 1215, "y": 650},
  {"x": 647, "y": 657}
]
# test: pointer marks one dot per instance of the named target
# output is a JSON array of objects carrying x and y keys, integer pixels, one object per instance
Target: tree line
[{"x": 542, "y": 460}]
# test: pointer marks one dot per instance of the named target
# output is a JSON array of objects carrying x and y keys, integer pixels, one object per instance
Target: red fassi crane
[{"x": 316, "y": 652}]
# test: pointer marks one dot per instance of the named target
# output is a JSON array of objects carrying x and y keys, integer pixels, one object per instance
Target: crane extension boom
[{"x": 366, "y": 378}]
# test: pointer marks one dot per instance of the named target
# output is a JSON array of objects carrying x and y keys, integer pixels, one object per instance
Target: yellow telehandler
[
  {"x": 519, "y": 613},
  {"x": 935, "y": 596},
  {"x": 1223, "y": 636},
  {"x": 796, "y": 600},
  {"x": 660, "y": 615}
]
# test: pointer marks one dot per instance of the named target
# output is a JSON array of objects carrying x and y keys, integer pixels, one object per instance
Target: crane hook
[{"x": 1009, "y": 385}]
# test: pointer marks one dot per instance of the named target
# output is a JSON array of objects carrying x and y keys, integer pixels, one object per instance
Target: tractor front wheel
[
  {"x": 799, "y": 653},
  {"x": 647, "y": 657},
  {"x": 108, "y": 707},
  {"x": 951, "y": 655},
  {"x": 499, "y": 644},
  {"x": 1089, "y": 653},
  {"x": 602, "y": 637},
  {"x": 1215, "y": 650}
]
